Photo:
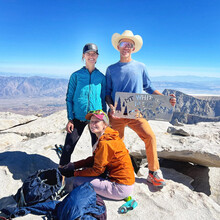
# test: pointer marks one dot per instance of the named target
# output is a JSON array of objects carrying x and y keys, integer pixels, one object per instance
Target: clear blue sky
[{"x": 181, "y": 37}]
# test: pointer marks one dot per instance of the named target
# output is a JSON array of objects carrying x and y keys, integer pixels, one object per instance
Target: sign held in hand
[{"x": 136, "y": 105}]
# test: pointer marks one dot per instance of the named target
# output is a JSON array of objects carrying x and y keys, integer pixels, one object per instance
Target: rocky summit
[
  {"x": 191, "y": 110},
  {"x": 189, "y": 158}
]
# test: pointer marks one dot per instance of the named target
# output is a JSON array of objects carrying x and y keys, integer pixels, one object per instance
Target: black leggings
[{"x": 72, "y": 139}]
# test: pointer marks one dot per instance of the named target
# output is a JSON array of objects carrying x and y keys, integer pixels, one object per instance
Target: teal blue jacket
[{"x": 85, "y": 92}]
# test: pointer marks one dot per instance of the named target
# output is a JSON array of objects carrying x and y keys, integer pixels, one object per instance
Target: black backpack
[{"x": 42, "y": 186}]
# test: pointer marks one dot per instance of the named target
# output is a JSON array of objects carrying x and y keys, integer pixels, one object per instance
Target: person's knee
[
  {"x": 68, "y": 149},
  {"x": 149, "y": 138}
]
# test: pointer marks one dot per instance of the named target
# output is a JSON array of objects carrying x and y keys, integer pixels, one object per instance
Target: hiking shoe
[{"x": 156, "y": 180}]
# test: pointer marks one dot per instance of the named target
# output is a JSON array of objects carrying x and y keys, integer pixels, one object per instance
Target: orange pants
[{"x": 144, "y": 131}]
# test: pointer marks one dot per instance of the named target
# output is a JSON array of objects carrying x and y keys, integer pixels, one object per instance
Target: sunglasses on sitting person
[
  {"x": 97, "y": 112},
  {"x": 126, "y": 44}
]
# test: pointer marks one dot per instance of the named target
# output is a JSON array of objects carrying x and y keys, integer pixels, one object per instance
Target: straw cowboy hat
[{"x": 129, "y": 35}]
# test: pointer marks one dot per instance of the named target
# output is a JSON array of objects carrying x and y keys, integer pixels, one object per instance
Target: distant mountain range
[
  {"x": 191, "y": 110},
  {"x": 36, "y": 86},
  {"x": 14, "y": 90}
]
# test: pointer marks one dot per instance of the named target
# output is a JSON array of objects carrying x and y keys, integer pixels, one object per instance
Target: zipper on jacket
[
  {"x": 90, "y": 80},
  {"x": 90, "y": 76}
]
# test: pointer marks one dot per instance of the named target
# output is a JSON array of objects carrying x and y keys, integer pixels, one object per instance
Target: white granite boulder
[
  {"x": 201, "y": 147},
  {"x": 9, "y": 120},
  {"x": 176, "y": 201},
  {"x": 43, "y": 125}
]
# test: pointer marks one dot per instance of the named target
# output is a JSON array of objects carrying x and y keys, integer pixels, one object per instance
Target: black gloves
[{"x": 67, "y": 170}]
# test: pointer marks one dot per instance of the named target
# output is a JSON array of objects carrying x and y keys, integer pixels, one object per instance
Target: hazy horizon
[
  {"x": 12, "y": 83},
  {"x": 15, "y": 74}
]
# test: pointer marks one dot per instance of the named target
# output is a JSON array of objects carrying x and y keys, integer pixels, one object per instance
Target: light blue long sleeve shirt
[
  {"x": 127, "y": 77},
  {"x": 85, "y": 92}
]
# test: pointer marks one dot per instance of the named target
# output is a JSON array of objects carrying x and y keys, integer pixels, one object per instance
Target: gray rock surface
[
  {"x": 50, "y": 124},
  {"x": 175, "y": 131},
  {"x": 176, "y": 201},
  {"x": 10, "y": 120},
  {"x": 201, "y": 147},
  {"x": 191, "y": 110}
]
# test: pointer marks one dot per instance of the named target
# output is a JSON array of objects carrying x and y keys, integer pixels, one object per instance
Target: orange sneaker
[{"x": 156, "y": 180}]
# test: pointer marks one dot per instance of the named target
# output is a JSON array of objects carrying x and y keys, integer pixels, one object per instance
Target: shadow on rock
[
  {"x": 21, "y": 164},
  {"x": 199, "y": 174}
]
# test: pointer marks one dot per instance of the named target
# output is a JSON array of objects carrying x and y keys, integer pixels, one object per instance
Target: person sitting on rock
[{"x": 110, "y": 169}]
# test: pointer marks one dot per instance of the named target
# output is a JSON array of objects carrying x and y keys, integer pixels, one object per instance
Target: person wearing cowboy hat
[{"x": 129, "y": 75}]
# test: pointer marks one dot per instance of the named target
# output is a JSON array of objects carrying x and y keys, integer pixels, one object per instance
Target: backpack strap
[
  {"x": 59, "y": 194},
  {"x": 21, "y": 202}
]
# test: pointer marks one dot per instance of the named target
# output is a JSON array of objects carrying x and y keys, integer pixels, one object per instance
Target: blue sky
[{"x": 181, "y": 37}]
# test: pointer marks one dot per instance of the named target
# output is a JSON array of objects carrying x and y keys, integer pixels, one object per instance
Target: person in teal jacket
[{"x": 86, "y": 92}]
